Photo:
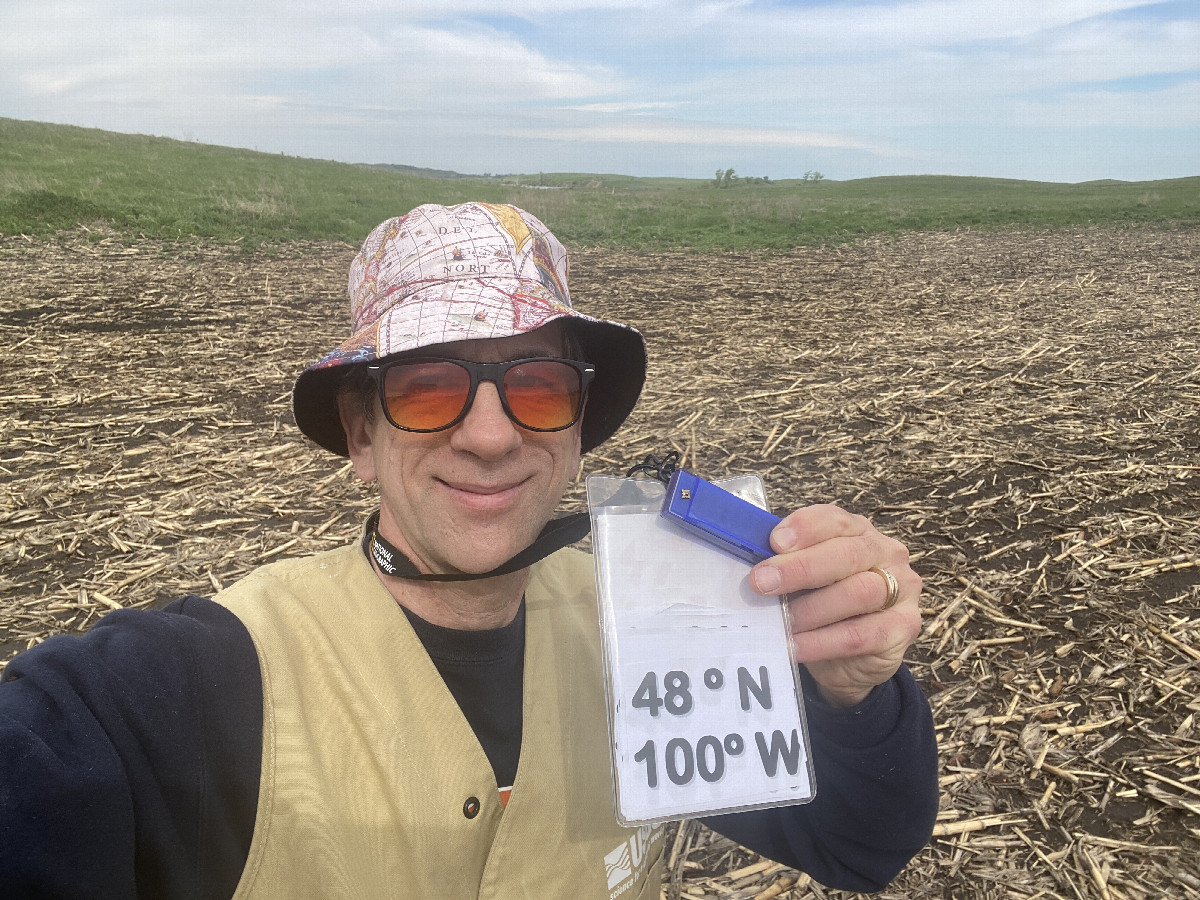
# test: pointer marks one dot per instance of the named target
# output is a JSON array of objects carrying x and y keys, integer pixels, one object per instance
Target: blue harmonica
[{"x": 719, "y": 517}]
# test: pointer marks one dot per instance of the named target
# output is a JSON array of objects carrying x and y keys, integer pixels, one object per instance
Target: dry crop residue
[{"x": 1022, "y": 409}]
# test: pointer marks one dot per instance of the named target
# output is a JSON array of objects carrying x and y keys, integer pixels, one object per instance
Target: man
[{"x": 421, "y": 713}]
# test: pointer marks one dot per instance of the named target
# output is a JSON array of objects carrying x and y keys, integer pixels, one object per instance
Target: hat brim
[{"x": 617, "y": 351}]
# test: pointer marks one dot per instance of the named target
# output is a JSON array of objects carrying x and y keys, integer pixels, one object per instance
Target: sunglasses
[{"x": 431, "y": 394}]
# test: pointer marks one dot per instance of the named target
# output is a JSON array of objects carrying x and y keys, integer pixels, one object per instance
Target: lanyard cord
[
  {"x": 557, "y": 534},
  {"x": 659, "y": 469}
]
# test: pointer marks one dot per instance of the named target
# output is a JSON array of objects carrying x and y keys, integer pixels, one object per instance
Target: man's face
[{"x": 468, "y": 498}]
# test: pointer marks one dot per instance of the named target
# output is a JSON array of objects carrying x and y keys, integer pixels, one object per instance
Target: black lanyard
[{"x": 557, "y": 534}]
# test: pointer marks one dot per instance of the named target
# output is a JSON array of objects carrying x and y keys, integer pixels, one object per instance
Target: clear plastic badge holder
[{"x": 704, "y": 701}]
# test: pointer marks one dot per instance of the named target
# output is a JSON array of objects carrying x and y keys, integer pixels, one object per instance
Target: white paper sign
[{"x": 705, "y": 713}]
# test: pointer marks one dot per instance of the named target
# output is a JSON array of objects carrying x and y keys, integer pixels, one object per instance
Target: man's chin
[{"x": 482, "y": 555}]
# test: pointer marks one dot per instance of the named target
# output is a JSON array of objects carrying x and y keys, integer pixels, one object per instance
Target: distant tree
[
  {"x": 727, "y": 178},
  {"x": 817, "y": 177}
]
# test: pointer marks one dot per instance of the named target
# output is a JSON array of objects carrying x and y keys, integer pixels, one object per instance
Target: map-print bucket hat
[{"x": 466, "y": 272}]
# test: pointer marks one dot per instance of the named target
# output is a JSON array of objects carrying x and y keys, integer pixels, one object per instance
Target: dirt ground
[{"x": 1021, "y": 408}]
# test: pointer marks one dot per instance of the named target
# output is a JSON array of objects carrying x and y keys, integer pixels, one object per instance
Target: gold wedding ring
[{"x": 893, "y": 586}]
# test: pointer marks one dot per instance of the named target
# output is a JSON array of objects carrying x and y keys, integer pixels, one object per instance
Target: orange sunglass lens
[
  {"x": 543, "y": 394},
  {"x": 426, "y": 396}
]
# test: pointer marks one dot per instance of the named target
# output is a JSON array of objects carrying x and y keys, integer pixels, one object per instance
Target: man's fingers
[
  {"x": 831, "y": 561},
  {"x": 815, "y": 524},
  {"x": 883, "y": 635},
  {"x": 859, "y": 636},
  {"x": 859, "y": 595}
]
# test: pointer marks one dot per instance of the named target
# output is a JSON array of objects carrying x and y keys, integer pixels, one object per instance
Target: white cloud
[
  {"x": 692, "y": 133},
  {"x": 628, "y": 107},
  {"x": 441, "y": 10},
  {"x": 1108, "y": 51},
  {"x": 462, "y": 69},
  {"x": 928, "y": 86},
  {"x": 1174, "y": 107},
  {"x": 745, "y": 76},
  {"x": 185, "y": 61},
  {"x": 767, "y": 30}
]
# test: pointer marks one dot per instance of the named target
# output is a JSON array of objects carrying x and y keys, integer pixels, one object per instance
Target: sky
[{"x": 1048, "y": 90}]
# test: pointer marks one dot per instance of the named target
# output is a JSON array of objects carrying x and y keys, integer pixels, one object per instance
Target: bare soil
[{"x": 1021, "y": 408}]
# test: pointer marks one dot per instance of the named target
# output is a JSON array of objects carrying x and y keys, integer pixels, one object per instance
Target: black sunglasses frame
[{"x": 490, "y": 372}]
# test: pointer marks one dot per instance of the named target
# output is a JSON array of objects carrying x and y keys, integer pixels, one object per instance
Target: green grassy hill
[{"x": 56, "y": 177}]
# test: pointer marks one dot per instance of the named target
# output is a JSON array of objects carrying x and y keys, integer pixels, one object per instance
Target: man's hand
[{"x": 841, "y": 631}]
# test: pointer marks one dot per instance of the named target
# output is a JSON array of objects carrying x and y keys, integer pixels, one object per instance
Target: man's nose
[{"x": 486, "y": 430}]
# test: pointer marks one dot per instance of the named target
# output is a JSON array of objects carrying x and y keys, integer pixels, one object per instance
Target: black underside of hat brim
[{"x": 618, "y": 353}]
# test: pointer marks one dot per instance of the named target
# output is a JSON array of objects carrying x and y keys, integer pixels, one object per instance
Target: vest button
[{"x": 471, "y": 807}]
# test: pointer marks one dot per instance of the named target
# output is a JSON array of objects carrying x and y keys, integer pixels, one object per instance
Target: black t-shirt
[{"x": 485, "y": 672}]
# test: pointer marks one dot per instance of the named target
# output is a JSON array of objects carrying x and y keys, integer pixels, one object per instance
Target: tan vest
[{"x": 368, "y": 762}]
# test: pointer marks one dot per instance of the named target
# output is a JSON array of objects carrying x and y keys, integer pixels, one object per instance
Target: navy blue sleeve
[
  {"x": 131, "y": 757},
  {"x": 877, "y": 791}
]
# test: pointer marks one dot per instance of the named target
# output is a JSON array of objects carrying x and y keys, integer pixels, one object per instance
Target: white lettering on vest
[{"x": 629, "y": 859}]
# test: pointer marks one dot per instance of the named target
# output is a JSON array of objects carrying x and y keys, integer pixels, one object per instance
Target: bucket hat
[{"x": 468, "y": 272}]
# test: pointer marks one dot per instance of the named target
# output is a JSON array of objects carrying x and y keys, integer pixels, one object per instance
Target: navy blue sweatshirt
[{"x": 130, "y": 759}]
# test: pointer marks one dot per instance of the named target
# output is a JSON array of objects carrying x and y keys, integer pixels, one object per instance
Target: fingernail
[
  {"x": 785, "y": 538},
  {"x": 767, "y": 580}
]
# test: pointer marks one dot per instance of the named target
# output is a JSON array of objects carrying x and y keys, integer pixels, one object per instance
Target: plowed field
[{"x": 1023, "y": 409}]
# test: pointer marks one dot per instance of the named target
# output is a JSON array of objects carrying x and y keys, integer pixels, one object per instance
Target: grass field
[
  {"x": 1019, "y": 408},
  {"x": 55, "y": 177}
]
